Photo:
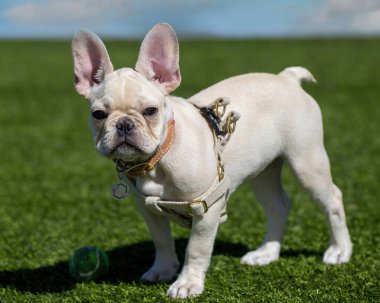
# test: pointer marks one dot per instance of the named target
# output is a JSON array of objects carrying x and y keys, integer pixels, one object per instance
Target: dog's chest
[
  {"x": 149, "y": 187},
  {"x": 158, "y": 184}
]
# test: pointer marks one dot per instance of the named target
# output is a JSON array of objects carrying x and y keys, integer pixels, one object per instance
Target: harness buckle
[{"x": 190, "y": 210}]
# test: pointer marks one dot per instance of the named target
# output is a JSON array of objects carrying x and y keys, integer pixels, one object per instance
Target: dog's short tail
[{"x": 298, "y": 74}]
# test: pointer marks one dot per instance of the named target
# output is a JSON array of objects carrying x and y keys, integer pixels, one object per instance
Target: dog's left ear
[{"x": 159, "y": 56}]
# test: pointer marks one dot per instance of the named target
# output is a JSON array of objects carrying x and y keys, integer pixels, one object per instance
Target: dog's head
[{"x": 129, "y": 112}]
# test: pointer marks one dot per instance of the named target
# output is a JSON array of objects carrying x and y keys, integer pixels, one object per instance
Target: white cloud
[
  {"x": 345, "y": 16},
  {"x": 122, "y": 18},
  {"x": 368, "y": 22},
  {"x": 132, "y": 18},
  {"x": 351, "y": 5},
  {"x": 55, "y": 11}
]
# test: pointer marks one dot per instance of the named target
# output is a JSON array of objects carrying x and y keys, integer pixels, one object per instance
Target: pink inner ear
[
  {"x": 91, "y": 61},
  {"x": 88, "y": 69},
  {"x": 161, "y": 73},
  {"x": 169, "y": 78},
  {"x": 158, "y": 58}
]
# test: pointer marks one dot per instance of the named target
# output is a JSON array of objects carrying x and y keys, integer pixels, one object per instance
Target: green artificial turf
[{"x": 55, "y": 188}]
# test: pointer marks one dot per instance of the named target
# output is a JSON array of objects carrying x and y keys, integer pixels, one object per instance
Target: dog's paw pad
[
  {"x": 336, "y": 255},
  {"x": 182, "y": 289},
  {"x": 264, "y": 255},
  {"x": 254, "y": 258}
]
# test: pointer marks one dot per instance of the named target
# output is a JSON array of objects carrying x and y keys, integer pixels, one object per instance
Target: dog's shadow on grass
[{"x": 127, "y": 264}]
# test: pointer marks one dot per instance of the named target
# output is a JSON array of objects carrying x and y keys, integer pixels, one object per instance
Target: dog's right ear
[{"x": 91, "y": 61}]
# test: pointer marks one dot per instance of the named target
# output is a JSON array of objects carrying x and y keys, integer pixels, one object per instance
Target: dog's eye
[
  {"x": 150, "y": 111},
  {"x": 99, "y": 114}
]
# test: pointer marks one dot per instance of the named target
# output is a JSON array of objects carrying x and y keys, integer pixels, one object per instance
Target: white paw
[
  {"x": 337, "y": 255},
  {"x": 160, "y": 273},
  {"x": 186, "y": 287},
  {"x": 268, "y": 253}
]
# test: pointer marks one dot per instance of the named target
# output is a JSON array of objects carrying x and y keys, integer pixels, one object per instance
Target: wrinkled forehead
[{"x": 125, "y": 89}]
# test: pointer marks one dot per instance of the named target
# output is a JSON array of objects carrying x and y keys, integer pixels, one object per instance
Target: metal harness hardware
[
  {"x": 223, "y": 129},
  {"x": 215, "y": 112},
  {"x": 192, "y": 203}
]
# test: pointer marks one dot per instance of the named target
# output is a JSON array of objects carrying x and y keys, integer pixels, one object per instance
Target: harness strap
[{"x": 197, "y": 207}]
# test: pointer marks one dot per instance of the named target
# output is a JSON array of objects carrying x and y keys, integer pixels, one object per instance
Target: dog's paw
[
  {"x": 337, "y": 255},
  {"x": 158, "y": 274},
  {"x": 267, "y": 253},
  {"x": 186, "y": 287}
]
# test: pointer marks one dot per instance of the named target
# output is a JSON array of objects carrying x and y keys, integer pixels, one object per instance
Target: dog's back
[{"x": 275, "y": 111}]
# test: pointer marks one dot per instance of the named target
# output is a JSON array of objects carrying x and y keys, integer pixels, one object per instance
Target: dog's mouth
[{"x": 125, "y": 146}]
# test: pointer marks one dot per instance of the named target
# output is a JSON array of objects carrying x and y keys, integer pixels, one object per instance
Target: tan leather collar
[{"x": 134, "y": 170}]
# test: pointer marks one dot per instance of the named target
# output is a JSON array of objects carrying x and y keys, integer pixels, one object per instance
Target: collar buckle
[{"x": 138, "y": 170}]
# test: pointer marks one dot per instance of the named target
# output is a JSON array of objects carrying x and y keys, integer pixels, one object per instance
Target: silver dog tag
[{"x": 119, "y": 191}]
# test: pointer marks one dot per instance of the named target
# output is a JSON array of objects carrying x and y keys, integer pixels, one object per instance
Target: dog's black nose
[{"x": 124, "y": 126}]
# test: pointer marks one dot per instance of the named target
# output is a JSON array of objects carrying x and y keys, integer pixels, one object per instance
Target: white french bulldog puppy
[{"x": 131, "y": 114}]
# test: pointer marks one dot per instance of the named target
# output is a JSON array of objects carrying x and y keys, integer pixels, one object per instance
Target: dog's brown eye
[
  {"x": 150, "y": 111},
  {"x": 99, "y": 114}
]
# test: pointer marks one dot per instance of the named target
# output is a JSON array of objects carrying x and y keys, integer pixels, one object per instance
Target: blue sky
[{"x": 220, "y": 18}]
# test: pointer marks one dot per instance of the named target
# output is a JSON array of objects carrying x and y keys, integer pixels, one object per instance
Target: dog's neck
[
  {"x": 190, "y": 160},
  {"x": 187, "y": 169},
  {"x": 140, "y": 169}
]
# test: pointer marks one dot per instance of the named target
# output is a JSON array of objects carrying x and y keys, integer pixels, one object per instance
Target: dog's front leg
[
  {"x": 166, "y": 263},
  {"x": 198, "y": 254}
]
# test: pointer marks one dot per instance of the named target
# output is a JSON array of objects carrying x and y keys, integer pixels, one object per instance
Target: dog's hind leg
[
  {"x": 312, "y": 167},
  {"x": 276, "y": 204}
]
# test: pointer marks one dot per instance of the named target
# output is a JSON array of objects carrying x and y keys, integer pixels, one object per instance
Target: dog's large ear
[
  {"x": 91, "y": 61},
  {"x": 159, "y": 56}
]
